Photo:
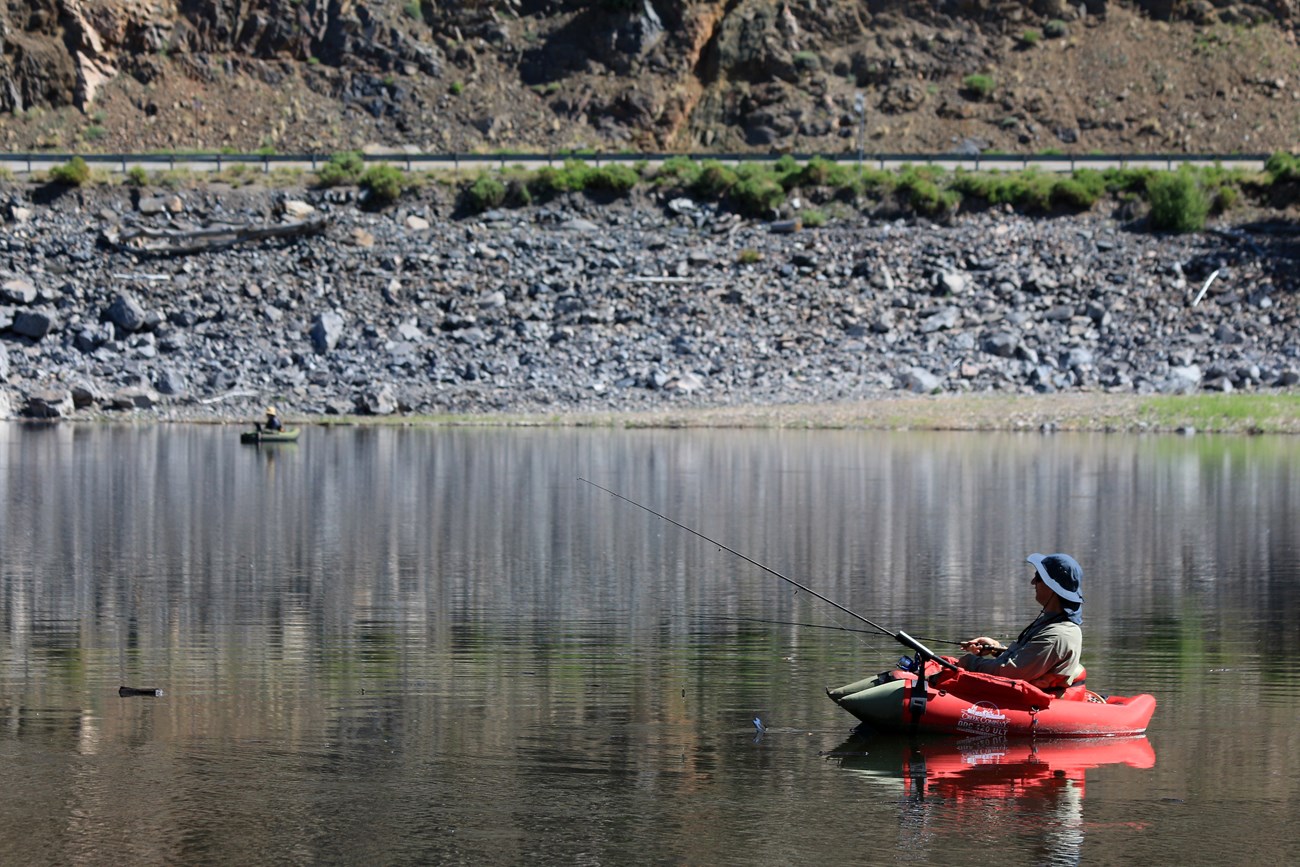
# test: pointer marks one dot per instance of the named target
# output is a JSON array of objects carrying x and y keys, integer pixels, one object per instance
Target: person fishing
[
  {"x": 272, "y": 420},
  {"x": 1047, "y": 652}
]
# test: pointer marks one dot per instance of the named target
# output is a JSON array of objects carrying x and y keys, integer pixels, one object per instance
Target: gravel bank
[{"x": 581, "y": 307}]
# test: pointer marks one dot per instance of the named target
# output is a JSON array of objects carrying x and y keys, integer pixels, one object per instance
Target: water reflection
[
  {"x": 961, "y": 787},
  {"x": 404, "y": 645}
]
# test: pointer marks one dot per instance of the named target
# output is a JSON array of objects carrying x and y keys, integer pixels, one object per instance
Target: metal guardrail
[{"x": 33, "y": 162}]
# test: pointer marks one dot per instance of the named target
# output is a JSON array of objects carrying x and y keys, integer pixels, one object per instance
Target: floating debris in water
[{"x": 125, "y": 691}]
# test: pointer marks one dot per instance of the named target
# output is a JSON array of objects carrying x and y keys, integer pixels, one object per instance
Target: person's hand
[{"x": 982, "y": 646}]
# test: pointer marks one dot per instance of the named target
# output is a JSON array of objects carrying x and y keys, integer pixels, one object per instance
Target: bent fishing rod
[{"x": 900, "y": 636}]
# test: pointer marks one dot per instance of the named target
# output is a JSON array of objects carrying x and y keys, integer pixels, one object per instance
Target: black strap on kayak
[{"x": 921, "y": 687}]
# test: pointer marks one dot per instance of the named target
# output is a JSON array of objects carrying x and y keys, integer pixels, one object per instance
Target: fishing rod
[
  {"x": 900, "y": 636},
  {"x": 834, "y": 626}
]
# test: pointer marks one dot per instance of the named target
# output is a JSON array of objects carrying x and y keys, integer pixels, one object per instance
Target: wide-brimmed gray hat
[{"x": 1061, "y": 573}]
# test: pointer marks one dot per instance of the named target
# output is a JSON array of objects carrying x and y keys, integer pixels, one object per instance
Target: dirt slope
[{"x": 682, "y": 75}]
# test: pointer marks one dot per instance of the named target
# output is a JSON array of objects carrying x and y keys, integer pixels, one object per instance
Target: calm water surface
[{"x": 430, "y": 646}]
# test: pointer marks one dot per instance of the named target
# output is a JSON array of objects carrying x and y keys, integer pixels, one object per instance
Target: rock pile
[{"x": 625, "y": 306}]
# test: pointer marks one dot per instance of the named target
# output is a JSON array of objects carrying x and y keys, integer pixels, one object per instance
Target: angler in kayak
[{"x": 1047, "y": 652}]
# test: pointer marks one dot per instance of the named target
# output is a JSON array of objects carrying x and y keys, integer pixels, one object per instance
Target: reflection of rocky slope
[{"x": 650, "y": 74}]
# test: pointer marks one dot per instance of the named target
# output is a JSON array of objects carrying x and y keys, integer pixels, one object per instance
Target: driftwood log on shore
[{"x": 178, "y": 242}]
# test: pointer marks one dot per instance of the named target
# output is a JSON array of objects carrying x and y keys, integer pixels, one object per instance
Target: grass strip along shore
[{"x": 1173, "y": 201}]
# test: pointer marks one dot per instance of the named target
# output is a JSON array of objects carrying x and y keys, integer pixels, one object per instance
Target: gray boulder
[
  {"x": 49, "y": 403},
  {"x": 942, "y": 320},
  {"x": 126, "y": 313},
  {"x": 171, "y": 382},
  {"x": 920, "y": 380},
  {"x": 35, "y": 323},
  {"x": 85, "y": 394},
  {"x": 377, "y": 401},
  {"x": 18, "y": 290},
  {"x": 1182, "y": 379},
  {"x": 1001, "y": 344},
  {"x": 326, "y": 331},
  {"x": 92, "y": 337},
  {"x": 136, "y": 397}
]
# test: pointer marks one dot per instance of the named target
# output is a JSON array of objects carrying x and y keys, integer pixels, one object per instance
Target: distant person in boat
[
  {"x": 1048, "y": 650},
  {"x": 272, "y": 421}
]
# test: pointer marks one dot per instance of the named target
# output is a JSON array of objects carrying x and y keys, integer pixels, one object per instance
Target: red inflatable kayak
[{"x": 970, "y": 703}]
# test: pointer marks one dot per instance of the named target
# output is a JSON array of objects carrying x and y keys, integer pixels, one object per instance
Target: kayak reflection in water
[
  {"x": 953, "y": 789},
  {"x": 1047, "y": 652}
]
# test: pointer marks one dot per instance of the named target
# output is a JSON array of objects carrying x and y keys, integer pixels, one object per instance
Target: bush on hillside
[
  {"x": 713, "y": 180},
  {"x": 682, "y": 172},
  {"x": 1178, "y": 204},
  {"x": 73, "y": 173},
  {"x": 919, "y": 189},
  {"x": 382, "y": 185},
  {"x": 617, "y": 179},
  {"x": 757, "y": 195},
  {"x": 343, "y": 168},
  {"x": 484, "y": 194},
  {"x": 549, "y": 182},
  {"x": 1282, "y": 167}
]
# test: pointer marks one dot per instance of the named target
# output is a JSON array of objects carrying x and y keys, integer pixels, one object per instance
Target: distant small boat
[{"x": 256, "y": 437}]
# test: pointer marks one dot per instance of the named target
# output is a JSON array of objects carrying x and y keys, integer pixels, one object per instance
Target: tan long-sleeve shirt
[{"x": 1049, "y": 659}]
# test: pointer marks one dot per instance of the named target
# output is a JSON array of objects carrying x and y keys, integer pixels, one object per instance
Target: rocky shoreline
[{"x": 581, "y": 306}]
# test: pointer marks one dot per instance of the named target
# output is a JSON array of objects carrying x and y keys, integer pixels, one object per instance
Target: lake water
[{"x": 401, "y": 646}]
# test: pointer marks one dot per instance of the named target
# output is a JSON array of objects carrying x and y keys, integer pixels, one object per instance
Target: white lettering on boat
[{"x": 983, "y": 718}]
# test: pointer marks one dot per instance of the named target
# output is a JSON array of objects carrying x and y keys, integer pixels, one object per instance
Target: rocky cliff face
[{"x": 1207, "y": 75}]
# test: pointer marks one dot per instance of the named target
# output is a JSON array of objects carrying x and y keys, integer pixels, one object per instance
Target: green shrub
[
  {"x": 1030, "y": 37},
  {"x": 757, "y": 194},
  {"x": 343, "y": 168},
  {"x": 1178, "y": 204},
  {"x": 785, "y": 166},
  {"x": 383, "y": 184},
  {"x": 979, "y": 86},
  {"x": 1080, "y": 191},
  {"x": 1225, "y": 197},
  {"x": 136, "y": 176},
  {"x": 714, "y": 180},
  {"x": 748, "y": 257},
  {"x": 95, "y": 132},
  {"x": 1282, "y": 167},
  {"x": 548, "y": 182},
  {"x": 821, "y": 172},
  {"x": 518, "y": 193},
  {"x": 876, "y": 181},
  {"x": 617, "y": 179},
  {"x": 1055, "y": 29},
  {"x": 813, "y": 218},
  {"x": 73, "y": 173},
  {"x": 1128, "y": 180},
  {"x": 680, "y": 172},
  {"x": 1069, "y": 193},
  {"x": 484, "y": 194},
  {"x": 456, "y": 88},
  {"x": 918, "y": 188}
]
